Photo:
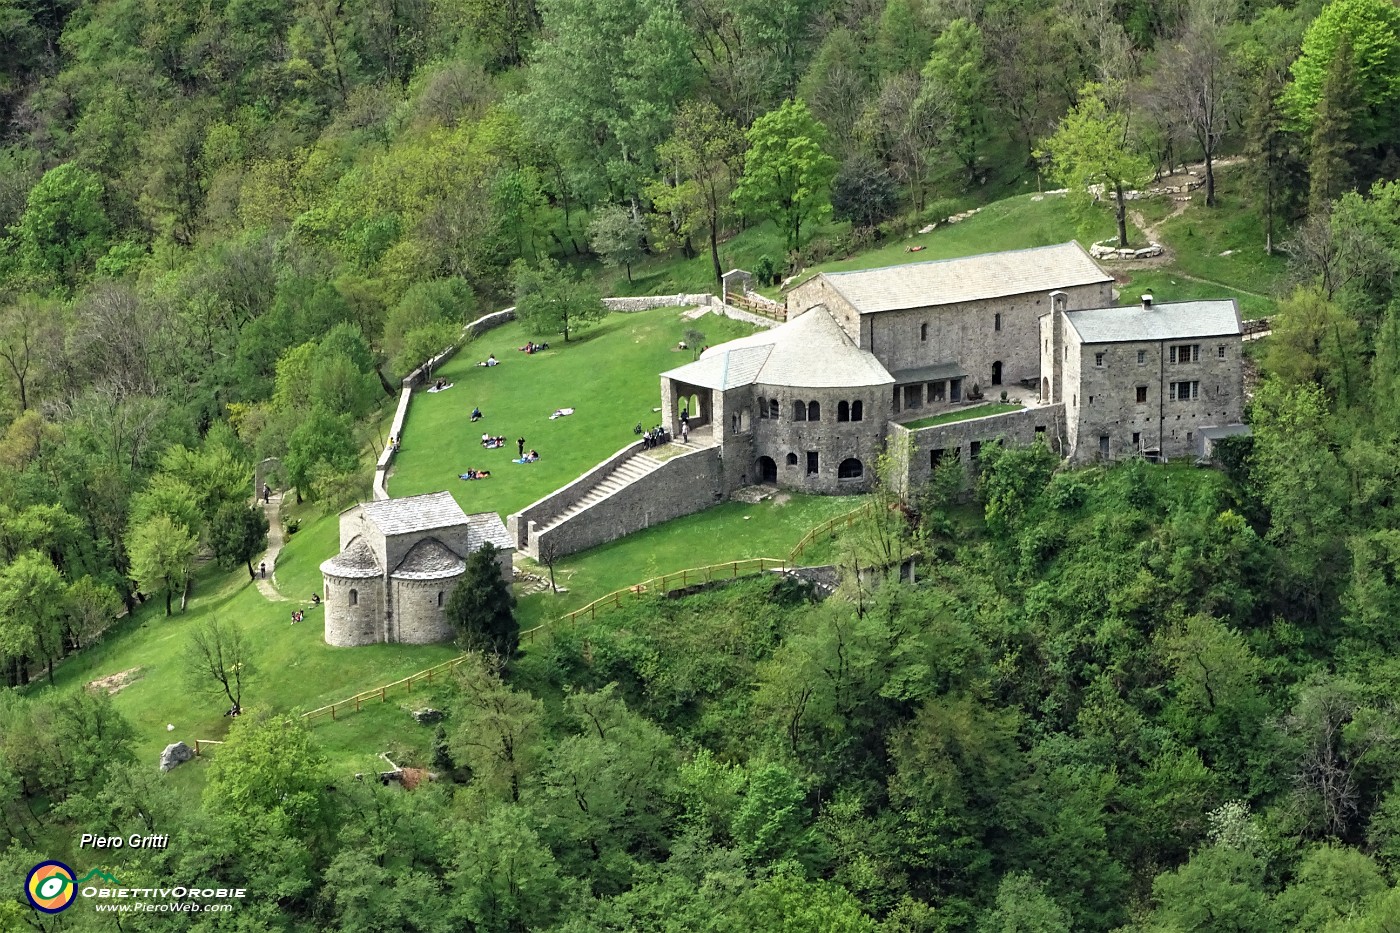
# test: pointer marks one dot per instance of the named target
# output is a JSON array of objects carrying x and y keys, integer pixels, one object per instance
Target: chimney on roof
[{"x": 1147, "y": 301}]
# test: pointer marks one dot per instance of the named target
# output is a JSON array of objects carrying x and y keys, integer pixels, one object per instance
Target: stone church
[{"x": 399, "y": 561}]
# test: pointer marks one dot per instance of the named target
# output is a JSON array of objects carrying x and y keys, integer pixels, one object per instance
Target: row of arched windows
[{"x": 812, "y": 411}]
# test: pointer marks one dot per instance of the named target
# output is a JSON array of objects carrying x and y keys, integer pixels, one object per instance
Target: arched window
[
  {"x": 773, "y": 408},
  {"x": 843, "y": 411},
  {"x": 814, "y": 411},
  {"x": 792, "y": 459},
  {"x": 923, "y": 331},
  {"x": 734, "y": 422},
  {"x": 354, "y": 597},
  {"x": 850, "y": 468},
  {"x": 763, "y": 407},
  {"x": 439, "y": 599},
  {"x": 799, "y": 411},
  {"x": 857, "y": 410}
]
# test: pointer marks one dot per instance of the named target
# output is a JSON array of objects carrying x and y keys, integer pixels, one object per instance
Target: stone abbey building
[
  {"x": 890, "y": 360},
  {"x": 399, "y": 561},
  {"x": 868, "y": 355}
]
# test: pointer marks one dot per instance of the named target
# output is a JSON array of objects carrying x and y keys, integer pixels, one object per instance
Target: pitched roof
[
  {"x": 356, "y": 562},
  {"x": 1171, "y": 321},
  {"x": 429, "y": 559},
  {"x": 932, "y": 373},
  {"x": 970, "y": 278},
  {"x": 809, "y": 352},
  {"x": 414, "y": 513},
  {"x": 487, "y": 527}
]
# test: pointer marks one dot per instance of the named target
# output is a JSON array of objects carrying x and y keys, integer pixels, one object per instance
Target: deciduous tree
[
  {"x": 551, "y": 299},
  {"x": 787, "y": 172},
  {"x": 162, "y": 555}
]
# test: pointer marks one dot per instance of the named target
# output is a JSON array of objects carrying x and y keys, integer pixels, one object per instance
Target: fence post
[
  {"x": 357, "y": 704},
  {"x": 735, "y": 566},
  {"x": 382, "y": 697},
  {"x": 332, "y": 710},
  {"x": 196, "y": 748}
]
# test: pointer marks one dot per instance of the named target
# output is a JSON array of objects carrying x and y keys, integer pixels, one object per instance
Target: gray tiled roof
[
  {"x": 414, "y": 513},
  {"x": 971, "y": 278},
  {"x": 809, "y": 352},
  {"x": 1173, "y": 321},
  {"x": 933, "y": 373},
  {"x": 484, "y": 527},
  {"x": 357, "y": 561},
  {"x": 429, "y": 559}
]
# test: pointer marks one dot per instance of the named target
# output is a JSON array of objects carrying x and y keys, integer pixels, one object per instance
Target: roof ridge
[{"x": 933, "y": 262}]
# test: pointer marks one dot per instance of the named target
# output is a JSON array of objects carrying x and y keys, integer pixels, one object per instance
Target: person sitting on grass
[
  {"x": 490, "y": 361},
  {"x": 476, "y": 413},
  {"x": 475, "y": 474},
  {"x": 315, "y": 599},
  {"x": 532, "y": 456}
]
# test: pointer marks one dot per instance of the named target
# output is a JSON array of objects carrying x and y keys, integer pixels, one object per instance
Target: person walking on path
[
  {"x": 520, "y": 447},
  {"x": 685, "y": 431},
  {"x": 267, "y": 494},
  {"x": 262, "y": 570}
]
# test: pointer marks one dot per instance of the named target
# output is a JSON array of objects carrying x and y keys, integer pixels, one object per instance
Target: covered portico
[{"x": 697, "y": 400}]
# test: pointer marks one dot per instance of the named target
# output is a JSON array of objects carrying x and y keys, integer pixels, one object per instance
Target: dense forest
[{"x": 1123, "y": 698}]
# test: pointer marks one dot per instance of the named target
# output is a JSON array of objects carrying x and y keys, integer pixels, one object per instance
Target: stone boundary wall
[
  {"x": 680, "y": 486},
  {"x": 647, "y": 302},
  {"x": 1016, "y": 426},
  {"x": 542, "y": 510},
  {"x": 419, "y": 376}
]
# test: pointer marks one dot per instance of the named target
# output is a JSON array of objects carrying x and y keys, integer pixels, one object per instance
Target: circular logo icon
[{"x": 50, "y": 887}]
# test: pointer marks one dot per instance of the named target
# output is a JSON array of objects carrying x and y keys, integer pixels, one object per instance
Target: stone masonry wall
[
  {"x": 646, "y": 303},
  {"x": 1107, "y": 406},
  {"x": 833, "y": 441},
  {"x": 418, "y": 617},
  {"x": 347, "y": 625},
  {"x": 956, "y": 439},
  {"x": 542, "y": 510},
  {"x": 966, "y": 332},
  {"x": 680, "y": 486}
]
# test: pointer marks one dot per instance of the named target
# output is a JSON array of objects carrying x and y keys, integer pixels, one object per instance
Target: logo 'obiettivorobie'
[{"x": 50, "y": 887}]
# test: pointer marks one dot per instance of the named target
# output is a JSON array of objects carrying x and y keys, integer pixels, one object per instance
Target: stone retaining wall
[
  {"x": 680, "y": 486},
  {"x": 543, "y": 510},
  {"x": 956, "y": 439}
]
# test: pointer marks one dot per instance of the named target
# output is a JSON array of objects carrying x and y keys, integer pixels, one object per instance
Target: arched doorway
[
  {"x": 850, "y": 468},
  {"x": 1045, "y": 388},
  {"x": 996, "y": 373},
  {"x": 767, "y": 470}
]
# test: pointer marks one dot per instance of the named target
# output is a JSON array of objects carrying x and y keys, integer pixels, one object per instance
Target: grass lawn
[
  {"x": 608, "y": 374},
  {"x": 729, "y": 531},
  {"x": 293, "y": 666},
  {"x": 979, "y": 411}
]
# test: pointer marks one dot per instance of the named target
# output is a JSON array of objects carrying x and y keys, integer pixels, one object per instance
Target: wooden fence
[
  {"x": 666, "y": 583},
  {"x": 381, "y": 694},
  {"x": 758, "y": 305},
  {"x": 200, "y": 743},
  {"x": 825, "y": 528}
]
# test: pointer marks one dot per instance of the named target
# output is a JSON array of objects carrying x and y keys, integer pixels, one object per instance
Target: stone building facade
[
  {"x": 940, "y": 328},
  {"x": 399, "y": 561},
  {"x": 1148, "y": 379},
  {"x": 799, "y": 405}
]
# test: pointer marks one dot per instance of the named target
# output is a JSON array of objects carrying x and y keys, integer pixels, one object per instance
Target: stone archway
[{"x": 767, "y": 470}]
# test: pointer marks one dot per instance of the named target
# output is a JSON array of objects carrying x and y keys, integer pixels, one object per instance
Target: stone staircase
[{"x": 621, "y": 476}]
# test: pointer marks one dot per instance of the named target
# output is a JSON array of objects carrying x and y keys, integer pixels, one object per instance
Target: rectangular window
[
  {"x": 1137, "y": 440},
  {"x": 1220, "y": 352},
  {"x": 914, "y": 396},
  {"x": 997, "y": 323},
  {"x": 955, "y": 390},
  {"x": 1142, "y": 357},
  {"x": 937, "y": 391},
  {"x": 975, "y": 450},
  {"x": 1185, "y": 391},
  {"x": 1039, "y": 430},
  {"x": 1142, "y": 395},
  {"x": 897, "y": 396},
  {"x": 1098, "y": 360},
  {"x": 1186, "y": 353},
  {"x": 935, "y": 457},
  {"x": 1103, "y": 446},
  {"x": 811, "y": 463}
]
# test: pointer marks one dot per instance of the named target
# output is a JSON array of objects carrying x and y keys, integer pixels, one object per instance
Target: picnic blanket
[
  {"x": 561, "y": 413},
  {"x": 443, "y": 389}
]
